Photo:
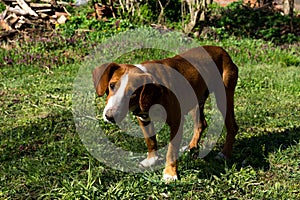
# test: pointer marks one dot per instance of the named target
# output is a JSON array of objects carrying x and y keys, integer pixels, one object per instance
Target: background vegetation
[{"x": 41, "y": 155}]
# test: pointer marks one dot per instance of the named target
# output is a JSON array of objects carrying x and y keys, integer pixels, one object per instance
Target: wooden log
[
  {"x": 8, "y": 1},
  {"x": 58, "y": 14},
  {"x": 58, "y": 2},
  {"x": 17, "y": 10},
  {"x": 20, "y": 22},
  {"x": 62, "y": 19},
  {"x": 66, "y": 11},
  {"x": 44, "y": 15},
  {"x": 43, "y": 10},
  {"x": 5, "y": 25},
  {"x": 15, "y": 0},
  {"x": 12, "y": 18},
  {"x": 40, "y": 5},
  {"x": 25, "y": 7}
]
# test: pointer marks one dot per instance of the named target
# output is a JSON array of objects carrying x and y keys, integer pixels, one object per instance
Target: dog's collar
[{"x": 144, "y": 117}]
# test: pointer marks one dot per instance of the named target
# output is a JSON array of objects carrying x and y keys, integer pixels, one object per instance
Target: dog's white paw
[
  {"x": 149, "y": 162},
  {"x": 184, "y": 148},
  {"x": 220, "y": 156},
  {"x": 168, "y": 177}
]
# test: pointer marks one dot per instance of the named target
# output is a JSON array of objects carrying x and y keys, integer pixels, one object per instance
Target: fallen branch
[
  {"x": 25, "y": 7},
  {"x": 40, "y": 5},
  {"x": 17, "y": 10}
]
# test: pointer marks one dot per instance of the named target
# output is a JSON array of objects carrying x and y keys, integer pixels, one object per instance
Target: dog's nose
[
  {"x": 110, "y": 119},
  {"x": 109, "y": 116}
]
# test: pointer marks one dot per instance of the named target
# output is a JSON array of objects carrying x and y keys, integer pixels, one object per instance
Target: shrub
[{"x": 263, "y": 23}]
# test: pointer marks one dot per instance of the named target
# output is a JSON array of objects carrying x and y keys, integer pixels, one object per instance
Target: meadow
[{"x": 42, "y": 155}]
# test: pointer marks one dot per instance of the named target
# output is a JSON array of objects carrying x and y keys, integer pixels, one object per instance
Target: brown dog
[{"x": 171, "y": 83}]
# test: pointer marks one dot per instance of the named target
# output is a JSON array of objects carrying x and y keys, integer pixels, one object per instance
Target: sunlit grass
[{"x": 42, "y": 156}]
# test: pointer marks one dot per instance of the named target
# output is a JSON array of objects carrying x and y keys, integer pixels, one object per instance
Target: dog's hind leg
[
  {"x": 230, "y": 122},
  {"x": 231, "y": 126},
  {"x": 199, "y": 125}
]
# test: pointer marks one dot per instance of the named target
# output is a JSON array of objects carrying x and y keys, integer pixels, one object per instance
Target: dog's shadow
[{"x": 252, "y": 152}]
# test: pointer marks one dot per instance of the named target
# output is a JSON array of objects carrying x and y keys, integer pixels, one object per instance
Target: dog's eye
[{"x": 112, "y": 86}]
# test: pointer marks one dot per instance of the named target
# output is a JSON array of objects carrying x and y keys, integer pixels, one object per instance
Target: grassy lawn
[{"x": 42, "y": 156}]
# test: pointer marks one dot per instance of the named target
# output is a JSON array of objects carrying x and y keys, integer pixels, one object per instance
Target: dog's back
[{"x": 198, "y": 66}]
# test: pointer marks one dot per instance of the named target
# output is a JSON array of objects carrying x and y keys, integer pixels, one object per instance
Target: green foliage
[
  {"x": 95, "y": 28},
  {"x": 173, "y": 11},
  {"x": 233, "y": 20},
  {"x": 2, "y": 7},
  {"x": 239, "y": 20},
  {"x": 146, "y": 14},
  {"x": 83, "y": 21}
]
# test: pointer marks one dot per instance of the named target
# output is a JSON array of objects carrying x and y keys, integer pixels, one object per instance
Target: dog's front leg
[
  {"x": 170, "y": 171},
  {"x": 150, "y": 139}
]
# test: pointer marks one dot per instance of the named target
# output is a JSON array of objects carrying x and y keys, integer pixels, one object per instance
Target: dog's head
[{"x": 128, "y": 88}]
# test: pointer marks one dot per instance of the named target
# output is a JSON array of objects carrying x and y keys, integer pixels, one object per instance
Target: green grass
[{"x": 42, "y": 156}]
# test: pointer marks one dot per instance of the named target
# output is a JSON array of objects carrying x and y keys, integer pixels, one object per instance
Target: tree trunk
[
  {"x": 288, "y": 9},
  {"x": 192, "y": 11},
  {"x": 129, "y": 6},
  {"x": 161, "y": 15}
]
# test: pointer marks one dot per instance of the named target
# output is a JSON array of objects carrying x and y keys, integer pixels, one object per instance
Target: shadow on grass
[
  {"x": 54, "y": 150},
  {"x": 252, "y": 152},
  {"x": 34, "y": 136},
  {"x": 48, "y": 148}
]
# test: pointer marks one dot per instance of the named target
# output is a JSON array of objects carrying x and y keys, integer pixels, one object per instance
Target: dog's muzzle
[{"x": 109, "y": 116}]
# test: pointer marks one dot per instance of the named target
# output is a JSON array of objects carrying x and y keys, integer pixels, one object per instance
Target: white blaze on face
[{"x": 116, "y": 100}]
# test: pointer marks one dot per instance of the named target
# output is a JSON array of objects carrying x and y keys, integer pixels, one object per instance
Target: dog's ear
[
  {"x": 102, "y": 75},
  {"x": 149, "y": 96}
]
